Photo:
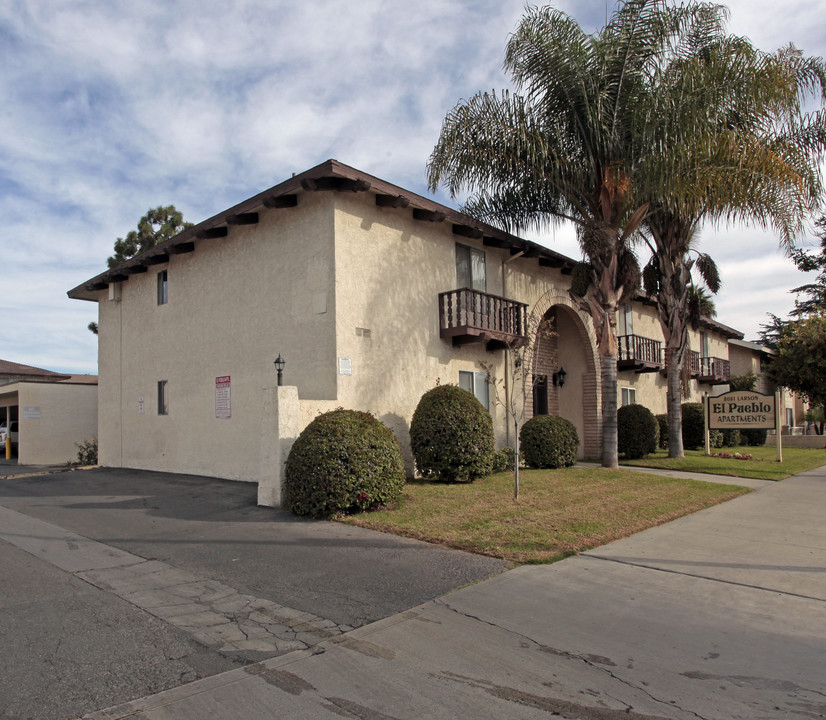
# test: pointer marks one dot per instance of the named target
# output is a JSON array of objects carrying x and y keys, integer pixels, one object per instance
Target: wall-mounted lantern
[
  {"x": 279, "y": 363},
  {"x": 559, "y": 377}
]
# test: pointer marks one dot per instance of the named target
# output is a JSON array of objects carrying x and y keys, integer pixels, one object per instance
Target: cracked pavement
[{"x": 716, "y": 616}]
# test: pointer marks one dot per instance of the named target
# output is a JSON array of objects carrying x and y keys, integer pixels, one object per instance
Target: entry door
[{"x": 540, "y": 395}]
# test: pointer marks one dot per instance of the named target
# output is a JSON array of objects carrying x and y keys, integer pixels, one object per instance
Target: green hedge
[
  {"x": 451, "y": 435},
  {"x": 638, "y": 432},
  {"x": 548, "y": 441},
  {"x": 344, "y": 461}
]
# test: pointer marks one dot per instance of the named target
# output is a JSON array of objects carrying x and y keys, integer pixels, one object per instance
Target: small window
[
  {"x": 704, "y": 345},
  {"x": 470, "y": 268},
  {"x": 790, "y": 417},
  {"x": 476, "y": 383},
  {"x": 628, "y": 396},
  {"x": 163, "y": 397},
  {"x": 163, "y": 288}
]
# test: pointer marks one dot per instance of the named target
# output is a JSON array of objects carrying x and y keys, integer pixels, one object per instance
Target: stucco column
[{"x": 280, "y": 426}]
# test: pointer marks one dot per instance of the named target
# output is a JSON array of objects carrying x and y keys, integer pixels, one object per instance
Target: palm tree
[
  {"x": 565, "y": 149},
  {"x": 742, "y": 148}
]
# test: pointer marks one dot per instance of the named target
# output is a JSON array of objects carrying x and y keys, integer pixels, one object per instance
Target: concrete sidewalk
[{"x": 716, "y": 615}]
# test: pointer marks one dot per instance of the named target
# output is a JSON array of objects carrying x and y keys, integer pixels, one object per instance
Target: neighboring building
[
  {"x": 373, "y": 295},
  {"x": 55, "y": 412}
]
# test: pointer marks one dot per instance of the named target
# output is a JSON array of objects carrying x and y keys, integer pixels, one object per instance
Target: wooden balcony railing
[
  {"x": 468, "y": 316},
  {"x": 692, "y": 359},
  {"x": 638, "y": 353},
  {"x": 714, "y": 370}
]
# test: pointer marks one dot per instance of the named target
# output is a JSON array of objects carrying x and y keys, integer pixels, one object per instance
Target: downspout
[{"x": 507, "y": 351}]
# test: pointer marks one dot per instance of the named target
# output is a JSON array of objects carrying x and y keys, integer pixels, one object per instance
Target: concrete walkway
[{"x": 721, "y": 614}]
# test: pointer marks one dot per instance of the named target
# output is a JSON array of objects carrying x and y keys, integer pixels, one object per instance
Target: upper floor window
[
  {"x": 470, "y": 268},
  {"x": 163, "y": 288}
]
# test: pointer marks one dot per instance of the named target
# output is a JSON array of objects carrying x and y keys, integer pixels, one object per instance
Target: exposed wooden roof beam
[
  {"x": 134, "y": 270},
  {"x": 250, "y": 218},
  {"x": 428, "y": 215},
  {"x": 118, "y": 277},
  {"x": 567, "y": 269},
  {"x": 468, "y": 232},
  {"x": 155, "y": 259},
  {"x": 213, "y": 232},
  {"x": 495, "y": 242},
  {"x": 551, "y": 262},
  {"x": 97, "y": 286},
  {"x": 392, "y": 201},
  {"x": 334, "y": 183},
  {"x": 277, "y": 202},
  {"x": 182, "y": 248}
]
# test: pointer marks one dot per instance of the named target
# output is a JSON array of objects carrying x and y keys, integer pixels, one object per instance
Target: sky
[{"x": 111, "y": 108}]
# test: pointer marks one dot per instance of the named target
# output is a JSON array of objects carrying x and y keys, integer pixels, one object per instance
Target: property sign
[
  {"x": 743, "y": 410},
  {"x": 223, "y": 405}
]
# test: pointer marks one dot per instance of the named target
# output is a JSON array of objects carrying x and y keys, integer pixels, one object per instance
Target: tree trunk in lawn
[
  {"x": 675, "y": 407},
  {"x": 608, "y": 371}
]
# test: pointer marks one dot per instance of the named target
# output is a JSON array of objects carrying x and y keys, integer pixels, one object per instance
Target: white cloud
[{"x": 112, "y": 108}]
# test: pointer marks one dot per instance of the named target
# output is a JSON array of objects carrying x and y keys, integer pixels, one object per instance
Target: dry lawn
[{"x": 559, "y": 512}]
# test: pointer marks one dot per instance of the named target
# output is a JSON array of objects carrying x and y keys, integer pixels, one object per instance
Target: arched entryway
[{"x": 565, "y": 342}]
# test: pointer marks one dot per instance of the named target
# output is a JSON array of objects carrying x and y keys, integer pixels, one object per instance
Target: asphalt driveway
[
  {"x": 123, "y": 583},
  {"x": 214, "y": 528}
]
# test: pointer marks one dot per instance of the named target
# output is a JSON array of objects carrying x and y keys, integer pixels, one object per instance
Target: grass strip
[
  {"x": 764, "y": 466},
  {"x": 559, "y": 512}
]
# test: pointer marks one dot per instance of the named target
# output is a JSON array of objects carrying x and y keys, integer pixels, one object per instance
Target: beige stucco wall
[
  {"x": 234, "y": 304},
  {"x": 54, "y": 417},
  {"x": 337, "y": 278}
]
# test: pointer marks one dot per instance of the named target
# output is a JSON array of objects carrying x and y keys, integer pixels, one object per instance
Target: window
[
  {"x": 628, "y": 396},
  {"x": 476, "y": 383},
  {"x": 163, "y": 397},
  {"x": 790, "y": 417},
  {"x": 163, "y": 288},
  {"x": 470, "y": 268},
  {"x": 703, "y": 345},
  {"x": 626, "y": 320}
]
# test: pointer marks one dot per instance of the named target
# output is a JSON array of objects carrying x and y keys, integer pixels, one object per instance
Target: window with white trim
[
  {"x": 628, "y": 396},
  {"x": 476, "y": 383},
  {"x": 626, "y": 320}
]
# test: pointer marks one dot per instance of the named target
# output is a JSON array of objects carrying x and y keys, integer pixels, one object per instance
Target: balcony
[
  {"x": 468, "y": 316},
  {"x": 692, "y": 358},
  {"x": 638, "y": 353},
  {"x": 714, "y": 370}
]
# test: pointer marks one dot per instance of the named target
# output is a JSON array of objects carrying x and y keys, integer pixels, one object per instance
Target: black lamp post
[
  {"x": 559, "y": 377},
  {"x": 279, "y": 366}
]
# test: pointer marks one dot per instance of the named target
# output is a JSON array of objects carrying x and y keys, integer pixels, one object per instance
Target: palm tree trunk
[
  {"x": 608, "y": 372},
  {"x": 674, "y": 400}
]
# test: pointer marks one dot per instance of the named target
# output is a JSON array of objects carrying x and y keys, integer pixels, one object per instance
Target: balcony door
[{"x": 470, "y": 268}]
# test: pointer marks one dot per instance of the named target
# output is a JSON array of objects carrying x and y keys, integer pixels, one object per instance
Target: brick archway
[{"x": 574, "y": 342}]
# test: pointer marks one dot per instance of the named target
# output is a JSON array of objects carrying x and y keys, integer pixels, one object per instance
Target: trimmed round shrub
[
  {"x": 344, "y": 461},
  {"x": 732, "y": 438},
  {"x": 504, "y": 459},
  {"x": 637, "y": 431},
  {"x": 715, "y": 438},
  {"x": 754, "y": 437},
  {"x": 662, "y": 421},
  {"x": 451, "y": 436},
  {"x": 548, "y": 441},
  {"x": 693, "y": 426}
]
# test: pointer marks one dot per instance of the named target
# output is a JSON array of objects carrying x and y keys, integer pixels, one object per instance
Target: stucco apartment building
[{"x": 372, "y": 295}]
